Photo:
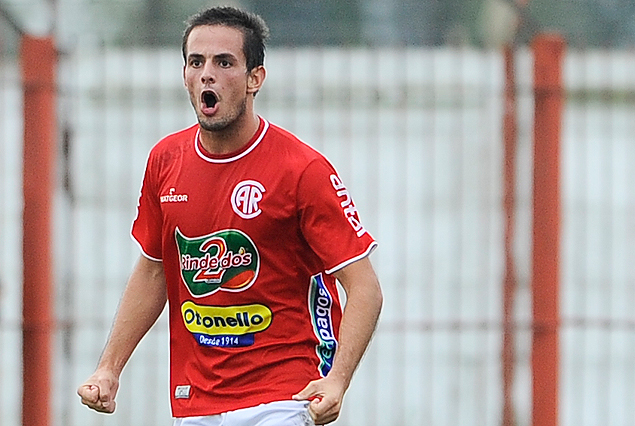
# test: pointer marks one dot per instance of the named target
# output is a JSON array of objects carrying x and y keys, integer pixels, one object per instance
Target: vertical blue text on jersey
[{"x": 320, "y": 304}]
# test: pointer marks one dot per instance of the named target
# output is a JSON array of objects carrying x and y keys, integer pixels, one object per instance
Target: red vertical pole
[
  {"x": 510, "y": 141},
  {"x": 548, "y": 52},
  {"x": 38, "y": 59},
  {"x": 509, "y": 204}
]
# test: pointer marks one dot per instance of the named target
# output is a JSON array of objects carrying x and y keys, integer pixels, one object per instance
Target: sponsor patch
[
  {"x": 171, "y": 197},
  {"x": 348, "y": 207},
  {"x": 226, "y": 260},
  {"x": 225, "y": 326},
  {"x": 320, "y": 304},
  {"x": 182, "y": 392}
]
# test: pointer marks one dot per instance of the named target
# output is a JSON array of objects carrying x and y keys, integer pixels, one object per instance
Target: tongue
[
  {"x": 209, "y": 103},
  {"x": 208, "y": 110}
]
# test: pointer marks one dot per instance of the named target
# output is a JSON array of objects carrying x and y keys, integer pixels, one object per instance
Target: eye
[
  {"x": 195, "y": 62},
  {"x": 224, "y": 63}
]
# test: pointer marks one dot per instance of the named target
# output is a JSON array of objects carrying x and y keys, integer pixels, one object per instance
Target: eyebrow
[
  {"x": 225, "y": 56},
  {"x": 220, "y": 56}
]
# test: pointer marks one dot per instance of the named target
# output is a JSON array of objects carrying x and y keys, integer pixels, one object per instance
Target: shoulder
[
  {"x": 178, "y": 138},
  {"x": 174, "y": 144},
  {"x": 291, "y": 147},
  {"x": 296, "y": 156}
]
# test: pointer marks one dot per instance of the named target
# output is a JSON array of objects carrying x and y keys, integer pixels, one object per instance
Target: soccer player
[{"x": 243, "y": 230}]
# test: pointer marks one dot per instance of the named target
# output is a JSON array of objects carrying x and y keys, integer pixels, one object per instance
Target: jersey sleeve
[
  {"x": 329, "y": 219},
  {"x": 147, "y": 226}
]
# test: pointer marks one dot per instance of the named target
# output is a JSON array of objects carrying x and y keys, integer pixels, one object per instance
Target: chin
[{"x": 214, "y": 126}]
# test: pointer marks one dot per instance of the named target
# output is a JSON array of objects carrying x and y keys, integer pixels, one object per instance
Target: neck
[{"x": 231, "y": 138}]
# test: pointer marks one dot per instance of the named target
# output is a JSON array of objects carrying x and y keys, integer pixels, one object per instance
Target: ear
[
  {"x": 184, "y": 82},
  {"x": 255, "y": 79}
]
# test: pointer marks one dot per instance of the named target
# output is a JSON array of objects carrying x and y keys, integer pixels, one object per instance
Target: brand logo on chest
[
  {"x": 171, "y": 197},
  {"x": 246, "y": 198},
  {"x": 226, "y": 260}
]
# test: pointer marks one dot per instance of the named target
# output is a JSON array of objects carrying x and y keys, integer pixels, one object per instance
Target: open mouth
[{"x": 209, "y": 99}]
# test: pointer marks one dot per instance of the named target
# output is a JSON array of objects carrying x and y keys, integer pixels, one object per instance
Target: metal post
[
  {"x": 549, "y": 98},
  {"x": 38, "y": 59},
  {"x": 509, "y": 205}
]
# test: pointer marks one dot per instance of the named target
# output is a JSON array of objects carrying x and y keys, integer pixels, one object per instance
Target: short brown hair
[{"x": 254, "y": 29}]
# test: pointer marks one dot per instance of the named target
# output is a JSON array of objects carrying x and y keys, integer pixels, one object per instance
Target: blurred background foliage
[{"x": 476, "y": 23}]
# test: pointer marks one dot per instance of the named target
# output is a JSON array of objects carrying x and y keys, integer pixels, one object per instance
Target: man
[{"x": 244, "y": 230}]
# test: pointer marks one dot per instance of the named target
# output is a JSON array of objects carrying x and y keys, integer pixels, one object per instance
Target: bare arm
[
  {"x": 363, "y": 304},
  {"x": 142, "y": 302}
]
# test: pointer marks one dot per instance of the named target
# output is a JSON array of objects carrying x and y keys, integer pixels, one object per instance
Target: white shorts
[{"x": 279, "y": 413}]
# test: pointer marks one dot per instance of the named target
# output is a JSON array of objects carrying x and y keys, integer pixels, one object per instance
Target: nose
[{"x": 207, "y": 76}]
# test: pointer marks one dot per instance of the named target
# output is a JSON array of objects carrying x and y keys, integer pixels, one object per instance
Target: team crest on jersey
[
  {"x": 226, "y": 260},
  {"x": 246, "y": 197}
]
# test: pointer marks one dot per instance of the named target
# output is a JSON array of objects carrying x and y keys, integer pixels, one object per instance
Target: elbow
[{"x": 378, "y": 297}]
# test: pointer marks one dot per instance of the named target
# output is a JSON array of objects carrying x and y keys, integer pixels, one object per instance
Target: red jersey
[{"x": 248, "y": 243}]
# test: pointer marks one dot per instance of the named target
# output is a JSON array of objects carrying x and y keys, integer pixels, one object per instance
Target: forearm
[
  {"x": 363, "y": 304},
  {"x": 359, "y": 319},
  {"x": 142, "y": 302}
]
